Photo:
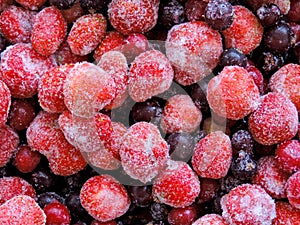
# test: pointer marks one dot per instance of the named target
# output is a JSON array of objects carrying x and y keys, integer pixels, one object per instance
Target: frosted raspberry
[
  {"x": 212, "y": 155},
  {"x": 21, "y": 67},
  {"x": 274, "y": 121},
  {"x": 21, "y": 209},
  {"x": 31, "y": 4},
  {"x": 25, "y": 159},
  {"x": 271, "y": 177},
  {"x": 87, "y": 89},
  {"x": 233, "y": 93},
  {"x": 16, "y": 24},
  {"x": 288, "y": 155},
  {"x": 143, "y": 151},
  {"x": 128, "y": 16},
  {"x": 293, "y": 190},
  {"x": 180, "y": 115},
  {"x": 8, "y": 144},
  {"x": 211, "y": 219},
  {"x": 49, "y": 31},
  {"x": 150, "y": 74},
  {"x": 177, "y": 185},
  {"x": 112, "y": 40},
  {"x": 194, "y": 49},
  {"x": 286, "y": 214},
  {"x": 50, "y": 89},
  {"x": 287, "y": 82},
  {"x": 86, "y": 33},
  {"x": 5, "y": 102},
  {"x": 248, "y": 204},
  {"x": 245, "y": 33},
  {"x": 14, "y": 186},
  {"x": 104, "y": 198}
]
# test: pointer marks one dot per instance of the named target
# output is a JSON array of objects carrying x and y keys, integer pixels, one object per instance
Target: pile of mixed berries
[{"x": 149, "y": 112}]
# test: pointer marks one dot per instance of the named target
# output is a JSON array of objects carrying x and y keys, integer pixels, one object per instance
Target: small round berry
[
  {"x": 288, "y": 155},
  {"x": 292, "y": 189},
  {"x": 170, "y": 13},
  {"x": 26, "y": 160},
  {"x": 57, "y": 213},
  {"x": 268, "y": 14},
  {"x": 194, "y": 10},
  {"x": 242, "y": 140},
  {"x": 182, "y": 216},
  {"x": 140, "y": 195},
  {"x": 286, "y": 214},
  {"x": 62, "y": 4},
  {"x": 46, "y": 198},
  {"x": 42, "y": 180},
  {"x": 198, "y": 96},
  {"x": 211, "y": 219},
  {"x": 243, "y": 166},
  {"x": 269, "y": 63},
  {"x": 75, "y": 207},
  {"x": 159, "y": 211},
  {"x": 209, "y": 189},
  {"x": 233, "y": 57},
  {"x": 229, "y": 182}
]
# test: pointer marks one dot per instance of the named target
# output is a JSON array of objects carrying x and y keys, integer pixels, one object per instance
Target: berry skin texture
[
  {"x": 288, "y": 155},
  {"x": 245, "y": 33},
  {"x": 31, "y": 4},
  {"x": 233, "y": 94},
  {"x": 194, "y": 49},
  {"x": 26, "y": 160},
  {"x": 57, "y": 213},
  {"x": 86, "y": 33},
  {"x": 49, "y": 30},
  {"x": 150, "y": 74},
  {"x": 104, "y": 198},
  {"x": 21, "y": 209},
  {"x": 8, "y": 144},
  {"x": 212, "y": 156},
  {"x": 287, "y": 82},
  {"x": 211, "y": 219},
  {"x": 182, "y": 216},
  {"x": 5, "y": 103},
  {"x": 293, "y": 189},
  {"x": 274, "y": 121},
  {"x": 128, "y": 16},
  {"x": 248, "y": 204},
  {"x": 286, "y": 214},
  {"x": 177, "y": 185}
]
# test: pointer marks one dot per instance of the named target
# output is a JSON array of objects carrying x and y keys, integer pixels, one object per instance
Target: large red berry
[
  {"x": 9, "y": 142},
  {"x": 211, "y": 219},
  {"x": 288, "y": 155},
  {"x": 57, "y": 213},
  {"x": 31, "y": 4},
  {"x": 4, "y": 103},
  {"x": 104, "y": 198},
  {"x": 25, "y": 159},
  {"x": 293, "y": 190},
  {"x": 286, "y": 214},
  {"x": 177, "y": 185}
]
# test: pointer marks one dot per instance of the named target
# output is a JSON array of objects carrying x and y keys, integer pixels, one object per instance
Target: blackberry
[
  {"x": 159, "y": 212},
  {"x": 268, "y": 14},
  {"x": 232, "y": 57},
  {"x": 62, "y": 4},
  {"x": 242, "y": 140},
  {"x": 170, "y": 13},
  {"x": 48, "y": 197},
  {"x": 243, "y": 166},
  {"x": 269, "y": 63},
  {"x": 94, "y": 5},
  {"x": 140, "y": 195}
]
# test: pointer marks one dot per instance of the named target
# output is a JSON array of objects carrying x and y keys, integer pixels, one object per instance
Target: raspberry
[
  {"x": 245, "y": 33},
  {"x": 57, "y": 213},
  {"x": 286, "y": 214},
  {"x": 31, "y": 4},
  {"x": 293, "y": 189},
  {"x": 4, "y": 103},
  {"x": 150, "y": 74},
  {"x": 194, "y": 49},
  {"x": 274, "y": 121},
  {"x": 86, "y": 33},
  {"x": 26, "y": 160},
  {"x": 143, "y": 151},
  {"x": 287, "y": 82},
  {"x": 21, "y": 67},
  {"x": 211, "y": 219},
  {"x": 49, "y": 30},
  {"x": 8, "y": 144},
  {"x": 182, "y": 216},
  {"x": 21, "y": 209},
  {"x": 271, "y": 177},
  {"x": 248, "y": 204},
  {"x": 180, "y": 115},
  {"x": 128, "y": 16},
  {"x": 50, "y": 89},
  {"x": 16, "y": 24},
  {"x": 177, "y": 185},
  {"x": 87, "y": 89},
  {"x": 288, "y": 155},
  {"x": 104, "y": 198},
  {"x": 212, "y": 155}
]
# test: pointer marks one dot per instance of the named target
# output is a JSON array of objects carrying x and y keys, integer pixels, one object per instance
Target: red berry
[
  {"x": 96, "y": 222},
  {"x": 31, "y": 4},
  {"x": 49, "y": 31},
  {"x": 104, "y": 198},
  {"x": 150, "y": 74},
  {"x": 194, "y": 49},
  {"x": 180, "y": 115},
  {"x": 286, "y": 214},
  {"x": 257, "y": 77},
  {"x": 274, "y": 121},
  {"x": 209, "y": 189},
  {"x": 143, "y": 151},
  {"x": 248, "y": 204},
  {"x": 177, "y": 185},
  {"x": 212, "y": 155},
  {"x": 26, "y": 160},
  {"x": 4, "y": 103},
  {"x": 288, "y": 155},
  {"x": 134, "y": 45},
  {"x": 182, "y": 216},
  {"x": 245, "y": 33},
  {"x": 57, "y": 213},
  {"x": 211, "y": 219},
  {"x": 9, "y": 142},
  {"x": 86, "y": 33},
  {"x": 21, "y": 209},
  {"x": 293, "y": 190}
]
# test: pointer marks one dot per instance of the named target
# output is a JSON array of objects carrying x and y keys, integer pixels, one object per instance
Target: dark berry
[
  {"x": 194, "y": 10},
  {"x": 48, "y": 197},
  {"x": 57, "y": 213},
  {"x": 229, "y": 182},
  {"x": 219, "y": 14},
  {"x": 209, "y": 189},
  {"x": 242, "y": 140},
  {"x": 198, "y": 96},
  {"x": 170, "y": 13},
  {"x": 159, "y": 211},
  {"x": 43, "y": 180},
  {"x": 140, "y": 195},
  {"x": 294, "y": 12},
  {"x": 268, "y": 14},
  {"x": 75, "y": 207},
  {"x": 232, "y": 57},
  {"x": 297, "y": 52},
  {"x": 216, "y": 204},
  {"x": 3, "y": 43},
  {"x": 182, "y": 216},
  {"x": 269, "y": 63},
  {"x": 263, "y": 150},
  {"x": 62, "y": 4},
  {"x": 93, "y": 5},
  {"x": 243, "y": 166},
  {"x": 72, "y": 183}
]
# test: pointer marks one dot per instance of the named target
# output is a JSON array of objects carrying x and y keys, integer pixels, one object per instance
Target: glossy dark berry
[
  {"x": 46, "y": 198},
  {"x": 3, "y": 43},
  {"x": 268, "y": 14},
  {"x": 182, "y": 216},
  {"x": 229, "y": 182},
  {"x": 269, "y": 63},
  {"x": 62, "y": 4},
  {"x": 194, "y": 10},
  {"x": 170, "y": 12},
  {"x": 232, "y": 57},
  {"x": 159, "y": 211},
  {"x": 43, "y": 180},
  {"x": 57, "y": 213},
  {"x": 243, "y": 166},
  {"x": 93, "y": 5},
  {"x": 140, "y": 195},
  {"x": 242, "y": 140},
  {"x": 197, "y": 93},
  {"x": 219, "y": 14}
]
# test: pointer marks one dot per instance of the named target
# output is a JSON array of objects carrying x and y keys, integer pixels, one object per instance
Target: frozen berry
[
  {"x": 8, "y": 144},
  {"x": 150, "y": 74},
  {"x": 283, "y": 5},
  {"x": 245, "y": 33},
  {"x": 233, "y": 93},
  {"x": 62, "y": 4},
  {"x": 248, "y": 204},
  {"x": 170, "y": 13},
  {"x": 288, "y": 155},
  {"x": 4, "y": 103},
  {"x": 140, "y": 195},
  {"x": 86, "y": 33},
  {"x": 182, "y": 216},
  {"x": 194, "y": 10},
  {"x": 177, "y": 185},
  {"x": 43, "y": 180},
  {"x": 104, "y": 198},
  {"x": 293, "y": 189},
  {"x": 274, "y": 121},
  {"x": 242, "y": 140},
  {"x": 159, "y": 212},
  {"x": 233, "y": 57},
  {"x": 268, "y": 14},
  {"x": 269, "y": 63},
  {"x": 3, "y": 43},
  {"x": 96, "y": 222},
  {"x": 257, "y": 77},
  {"x": 229, "y": 182},
  {"x": 243, "y": 166},
  {"x": 75, "y": 207},
  {"x": 31, "y": 4},
  {"x": 211, "y": 219},
  {"x": 57, "y": 213},
  {"x": 26, "y": 160},
  {"x": 93, "y": 6},
  {"x": 209, "y": 189},
  {"x": 73, "y": 13},
  {"x": 286, "y": 214},
  {"x": 212, "y": 155},
  {"x": 46, "y": 198},
  {"x": 198, "y": 95},
  {"x": 181, "y": 145},
  {"x": 293, "y": 13}
]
